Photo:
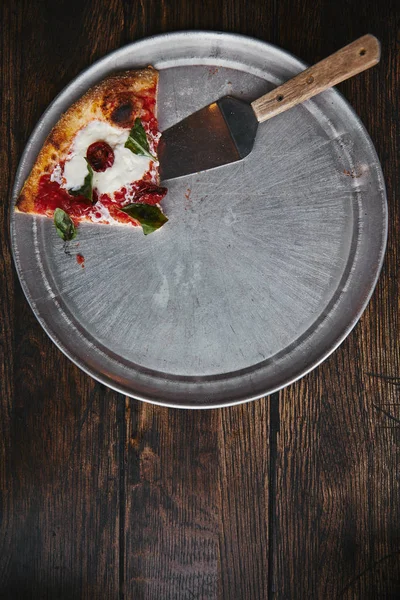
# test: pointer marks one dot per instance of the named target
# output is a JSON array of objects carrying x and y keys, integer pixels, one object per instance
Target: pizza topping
[
  {"x": 57, "y": 174},
  {"x": 150, "y": 217},
  {"x": 127, "y": 166},
  {"x": 87, "y": 188},
  {"x": 122, "y": 113},
  {"x": 149, "y": 193},
  {"x": 51, "y": 196},
  {"x": 137, "y": 141},
  {"x": 100, "y": 156},
  {"x": 64, "y": 225}
]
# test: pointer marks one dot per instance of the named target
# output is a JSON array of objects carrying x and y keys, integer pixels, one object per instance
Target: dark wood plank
[
  {"x": 60, "y": 503},
  {"x": 244, "y": 450},
  {"x": 337, "y": 505},
  {"x": 172, "y": 502},
  {"x": 59, "y": 436},
  {"x": 197, "y": 503}
]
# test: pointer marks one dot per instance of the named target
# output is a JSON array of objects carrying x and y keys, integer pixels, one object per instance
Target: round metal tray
[{"x": 264, "y": 266}]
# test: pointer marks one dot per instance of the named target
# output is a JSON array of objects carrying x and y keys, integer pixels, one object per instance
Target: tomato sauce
[
  {"x": 51, "y": 196},
  {"x": 80, "y": 259},
  {"x": 148, "y": 109}
]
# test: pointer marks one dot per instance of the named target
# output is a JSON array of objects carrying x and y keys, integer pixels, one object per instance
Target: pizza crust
[{"x": 118, "y": 100}]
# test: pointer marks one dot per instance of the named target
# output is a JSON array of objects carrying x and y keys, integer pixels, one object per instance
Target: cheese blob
[{"x": 127, "y": 168}]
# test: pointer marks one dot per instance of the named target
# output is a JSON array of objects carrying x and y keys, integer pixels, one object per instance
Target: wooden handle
[{"x": 343, "y": 64}]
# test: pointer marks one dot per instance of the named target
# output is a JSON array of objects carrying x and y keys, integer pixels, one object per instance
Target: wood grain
[
  {"x": 61, "y": 516},
  {"x": 171, "y": 526},
  {"x": 196, "y": 521},
  {"x": 338, "y": 449},
  {"x": 245, "y": 496},
  {"x": 59, "y": 437},
  {"x": 347, "y": 62},
  {"x": 291, "y": 497}
]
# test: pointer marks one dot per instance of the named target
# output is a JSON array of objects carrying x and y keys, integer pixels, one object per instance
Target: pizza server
[{"x": 224, "y": 131}]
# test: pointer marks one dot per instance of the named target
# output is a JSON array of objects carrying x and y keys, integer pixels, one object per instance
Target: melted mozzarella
[
  {"x": 101, "y": 214},
  {"x": 127, "y": 168},
  {"x": 57, "y": 175}
]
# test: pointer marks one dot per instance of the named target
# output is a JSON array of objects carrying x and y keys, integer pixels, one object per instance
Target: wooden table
[{"x": 295, "y": 496}]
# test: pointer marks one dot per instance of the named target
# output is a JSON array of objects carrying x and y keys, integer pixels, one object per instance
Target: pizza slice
[{"x": 99, "y": 162}]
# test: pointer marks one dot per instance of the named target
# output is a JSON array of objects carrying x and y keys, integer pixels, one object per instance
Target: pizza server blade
[
  {"x": 224, "y": 131},
  {"x": 221, "y": 133}
]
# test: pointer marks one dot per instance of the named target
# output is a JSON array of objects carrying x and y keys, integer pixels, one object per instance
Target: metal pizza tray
[{"x": 264, "y": 266}]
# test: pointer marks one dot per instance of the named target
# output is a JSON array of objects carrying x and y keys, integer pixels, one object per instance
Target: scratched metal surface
[{"x": 264, "y": 266}]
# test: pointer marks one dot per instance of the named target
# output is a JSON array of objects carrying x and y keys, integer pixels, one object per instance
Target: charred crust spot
[
  {"x": 122, "y": 114},
  {"x": 120, "y": 108},
  {"x": 54, "y": 156}
]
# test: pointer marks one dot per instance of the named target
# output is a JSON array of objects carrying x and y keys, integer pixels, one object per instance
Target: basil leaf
[
  {"x": 137, "y": 141},
  {"x": 87, "y": 188},
  {"x": 149, "y": 216},
  {"x": 64, "y": 225}
]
